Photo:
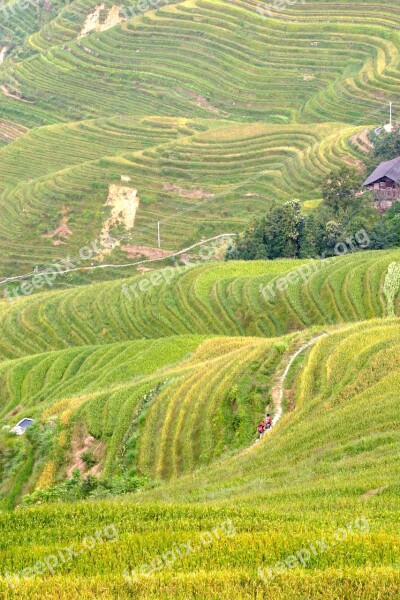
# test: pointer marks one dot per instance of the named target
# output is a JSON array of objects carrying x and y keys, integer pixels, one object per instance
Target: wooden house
[{"x": 384, "y": 183}]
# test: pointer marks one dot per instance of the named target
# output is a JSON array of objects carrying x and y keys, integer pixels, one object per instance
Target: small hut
[
  {"x": 384, "y": 183},
  {"x": 22, "y": 426}
]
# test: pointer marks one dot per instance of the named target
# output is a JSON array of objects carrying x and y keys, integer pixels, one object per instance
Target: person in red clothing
[
  {"x": 261, "y": 429},
  {"x": 268, "y": 422}
]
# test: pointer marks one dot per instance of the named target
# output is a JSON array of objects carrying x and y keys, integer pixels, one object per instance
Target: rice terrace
[{"x": 200, "y": 299}]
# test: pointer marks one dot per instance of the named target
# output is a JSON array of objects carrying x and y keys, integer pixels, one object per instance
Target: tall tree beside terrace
[
  {"x": 386, "y": 147},
  {"x": 250, "y": 244},
  {"x": 286, "y": 223},
  {"x": 339, "y": 190},
  {"x": 278, "y": 234},
  {"x": 312, "y": 236}
]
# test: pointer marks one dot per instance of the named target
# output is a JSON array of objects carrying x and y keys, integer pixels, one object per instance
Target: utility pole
[{"x": 159, "y": 234}]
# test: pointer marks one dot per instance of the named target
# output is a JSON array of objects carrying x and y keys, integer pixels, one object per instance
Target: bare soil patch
[
  {"x": 62, "y": 232},
  {"x": 83, "y": 442},
  {"x": 10, "y": 131},
  {"x": 14, "y": 411},
  {"x": 362, "y": 141},
  {"x": 374, "y": 492},
  {"x": 3, "y": 53},
  {"x": 199, "y": 100},
  {"x": 93, "y": 22},
  {"x": 194, "y": 194},
  {"x": 143, "y": 269},
  {"x": 15, "y": 95},
  {"x": 136, "y": 251},
  {"x": 124, "y": 203}
]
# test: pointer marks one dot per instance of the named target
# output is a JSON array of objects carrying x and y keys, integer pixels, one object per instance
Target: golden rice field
[{"x": 182, "y": 410}]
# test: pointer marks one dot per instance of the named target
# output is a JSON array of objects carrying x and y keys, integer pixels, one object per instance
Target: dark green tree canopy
[
  {"x": 287, "y": 231},
  {"x": 340, "y": 188},
  {"x": 386, "y": 146}
]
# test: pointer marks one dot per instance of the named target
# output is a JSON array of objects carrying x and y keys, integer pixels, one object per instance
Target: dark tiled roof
[{"x": 389, "y": 168}]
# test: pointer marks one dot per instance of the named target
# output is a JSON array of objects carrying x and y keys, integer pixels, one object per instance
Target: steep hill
[
  {"x": 142, "y": 475},
  {"x": 318, "y": 493},
  {"x": 233, "y": 299},
  {"x": 211, "y": 110},
  {"x": 77, "y": 361}
]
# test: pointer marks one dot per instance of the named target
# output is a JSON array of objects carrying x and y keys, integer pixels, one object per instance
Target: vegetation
[
  {"x": 386, "y": 146},
  {"x": 159, "y": 408},
  {"x": 392, "y": 286},
  {"x": 206, "y": 149},
  {"x": 223, "y": 299},
  {"x": 141, "y": 475},
  {"x": 348, "y": 378},
  {"x": 345, "y": 221}
]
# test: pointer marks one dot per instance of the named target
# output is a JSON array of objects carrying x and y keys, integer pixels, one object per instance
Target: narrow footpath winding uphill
[{"x": 278, "y": 390}]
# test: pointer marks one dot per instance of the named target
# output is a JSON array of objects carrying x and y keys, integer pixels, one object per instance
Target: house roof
[
  {"x": 389, "y": 168},
  {"x": 25, "y": 423},
  {"x": 22, "y": 425}
]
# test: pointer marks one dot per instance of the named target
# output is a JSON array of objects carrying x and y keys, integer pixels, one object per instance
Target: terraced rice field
[
  {"x": 172, "y": 383},
  {"x": 331, "y": 459},
  {"x": 212, "y": 111},
  {"x": 176, "y": 181},
  {"x": 206, "y": 113},
  {"x": 190, "y": 375},
  {"x": 91, "y": 356},
  {"x": 214, "y": 299}
]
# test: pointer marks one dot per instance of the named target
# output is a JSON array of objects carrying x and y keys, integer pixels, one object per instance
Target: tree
[
  {"x": 310, "y": 243},
  {"x": 250, "y": 244},
  {"x": 386, "y": 233},
  {"x": 279, "y": 234},
  {"x": 290, "y": 221},
  {"x": 340, "y": 188},
  {"x": 386, "y": 147},
  {"x": 287, "y": 232}
]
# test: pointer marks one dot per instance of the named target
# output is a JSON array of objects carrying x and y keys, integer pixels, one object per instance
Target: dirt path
[
  {"x": 15, "y": 95},
  {"x": 119, "y": 266},
  {"x": 279, "y": 388}
]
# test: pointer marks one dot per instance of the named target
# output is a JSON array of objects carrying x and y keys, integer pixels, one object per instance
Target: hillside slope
[
  {"x": 241, "y": 111},
  {"x": 331, "y": 460},
  {"x": 72, "y": 363},
  {"x": 109, "y": 401},
  {"x": 213, "y": 299},
  {"x": 142, "y": 475}
]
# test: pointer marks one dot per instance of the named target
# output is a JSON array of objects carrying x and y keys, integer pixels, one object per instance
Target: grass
[
  {"x": 193, "y": 167},
  {"x": 250, "y": 136},
  {"x": 255, "y": 496},
  {"x": 198, "y": 388},
  {"x": 213, "y": 299}
]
